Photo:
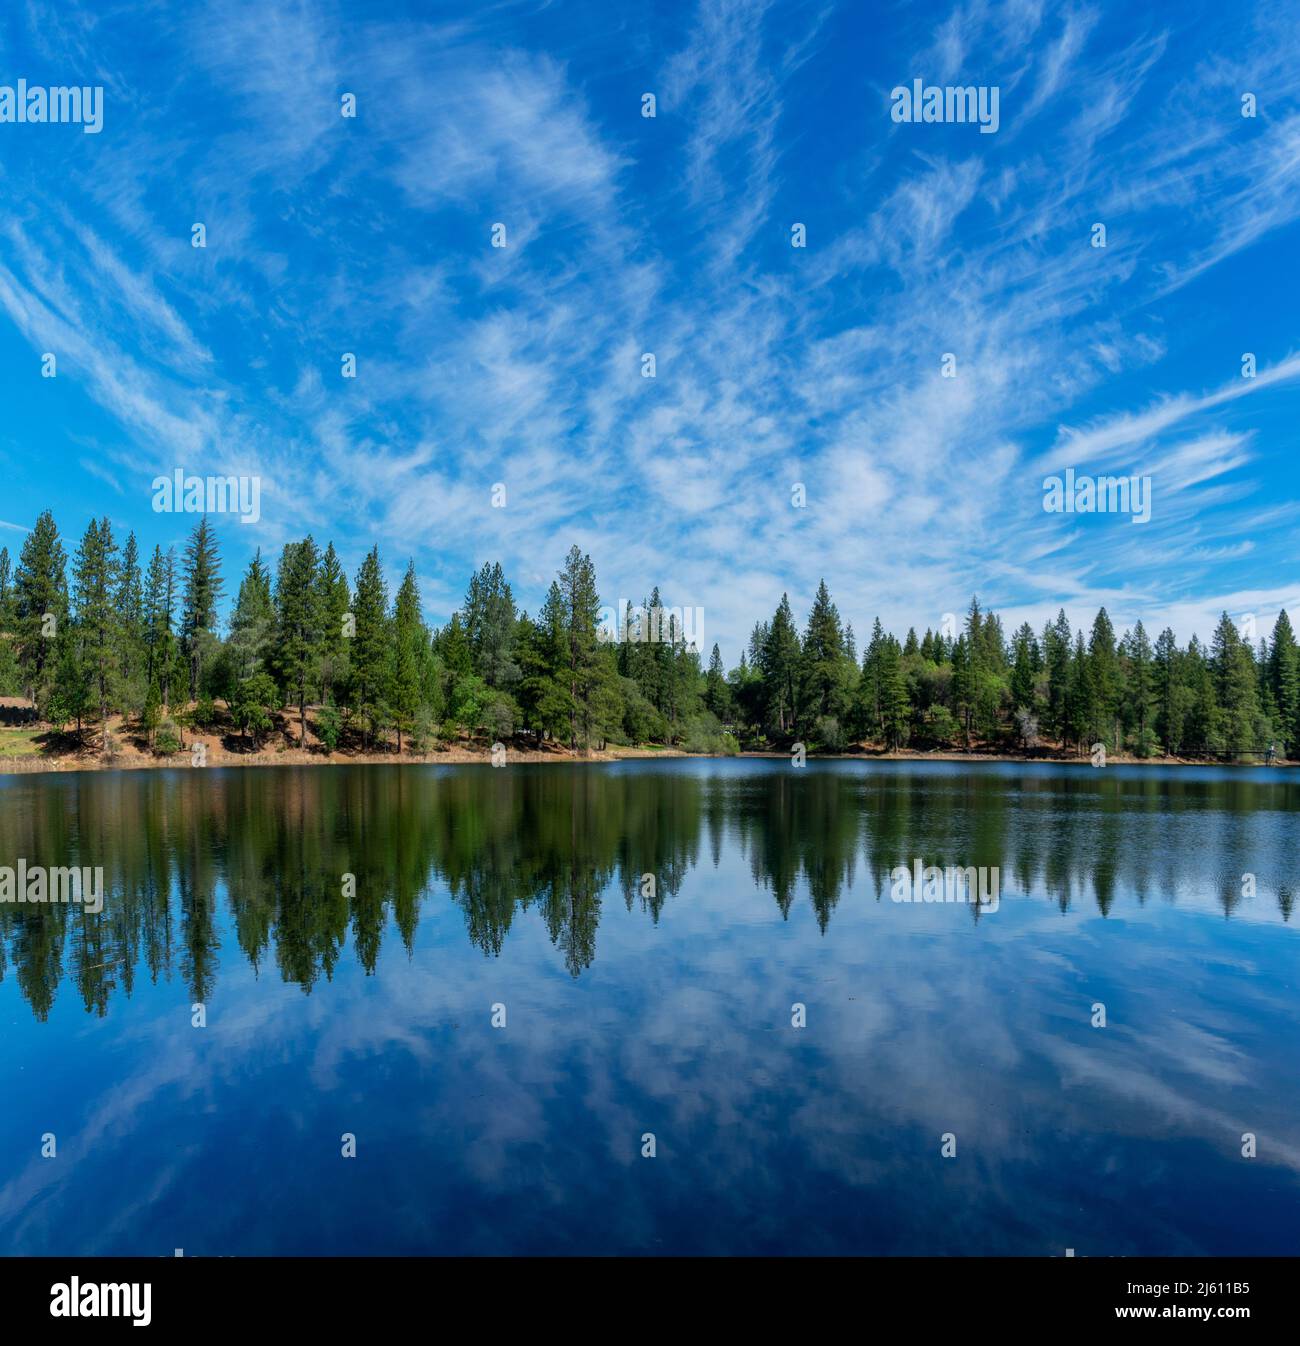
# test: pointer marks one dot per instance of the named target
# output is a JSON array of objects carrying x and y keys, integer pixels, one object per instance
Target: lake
[{"x": 646, "y": 930}]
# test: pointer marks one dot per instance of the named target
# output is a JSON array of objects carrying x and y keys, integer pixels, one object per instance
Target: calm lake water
[{"x": 630, "y": 1012}]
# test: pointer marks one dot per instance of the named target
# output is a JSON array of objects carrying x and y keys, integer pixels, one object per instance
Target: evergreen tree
[
  {"x": 40, "y": 607},
  {"x": 779, "y": 663},
  {"x": 1057, "y": 642},
  {"x": 97, "y": 621},
  {"x": 297, "y": 624},
  {"x": 1172, "y": 697},
  {"x": 894, "y": 711},
  {"x": 964, "y": 675},
  {"x": 1026, "y": 665},
  {"x": 1081, "y": 706},
  {"x": 203, "y": 589},
  {"x": 409, "y": 640},
  {"x": 1232, "y": 668},
  {"x": 582, "y": 667},
  {"x": 717, "y": 692},
  {"x": 1103, "y": 670},
  {"x": 333, "y": 602},
  {"x": 1284, "y": 681},
  {"x": 252, "y": 624},
  {"x": 548, "y": 703},
  {"x": 1140, "y": 691},
  {"x": 370, "y": 644},
  {"x": 490, "y": 626},
  {"x": 825, "y": 679},
  {"x": 10, "y": 682},
  {"x": 129, "y": 604},
  {"x": 160, "y": 653}
]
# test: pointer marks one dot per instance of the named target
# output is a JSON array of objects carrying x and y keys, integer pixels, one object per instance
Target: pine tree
[
  {"x": 581, "y": 612},
  {"x": 1104, "y": 676},
  {"x": 252, "y": 624},
  {"x": 371, "y": 642},
  {"x": 894, "y": 710},
  {"x": 10, "y": 682},
  {"x": 1026, "y": 664},
  {"x": 1081, "y": 704},
  {"x": 824, "y": 676},
  {"x": 40, "y": 606},
  {"x": 1232, "y": 669},
  {"x": 779, "y": 662},
  {"x": 1170, "y": 692},
  {"x": 333, "y": 602},
  {"x": 1139, "y": 690},
  {"x": 490, "y": 625},
  {"x": 1284, "y": 680},
  {"x": 548, "y": 702},
  {"x": 717, "y": 694},
  {"x": 97, "y": 623},
  {"x": 297, "y": 624},
  {"x": 1057, "y": 642},
  {"x": 963, "y": 686},
  {"x": 159, "y": 606},
  {"x": 129, "y": 604},
  {"x": 409, "y": 640},
  {"x": 203, "y": 589}
]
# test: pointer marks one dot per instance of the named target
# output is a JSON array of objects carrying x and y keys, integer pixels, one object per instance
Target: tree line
[{"x": 106, "y": 633}]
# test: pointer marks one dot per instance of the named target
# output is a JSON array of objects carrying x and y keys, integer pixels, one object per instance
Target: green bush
[
  {"x": 829, "y": 733},
  {"x": 329, "y": 726},
  {"x": 424, "y": 731},
  {"x": 704, "y": 733}
]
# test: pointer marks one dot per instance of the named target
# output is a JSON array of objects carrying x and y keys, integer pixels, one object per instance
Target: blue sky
[{"x": 672, "y": 235}]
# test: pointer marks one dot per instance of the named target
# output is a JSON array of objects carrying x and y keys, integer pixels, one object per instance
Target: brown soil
[{"x": 226, "y": 747}]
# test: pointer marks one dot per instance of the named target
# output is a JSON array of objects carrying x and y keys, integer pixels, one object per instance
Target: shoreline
[{"x": 220, "y": 758}]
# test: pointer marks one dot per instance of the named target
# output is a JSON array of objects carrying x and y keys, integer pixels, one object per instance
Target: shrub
[
  {"x": 704, "y": 733},
  {"x": 943, "y": 727},
  {"x": 424, "y": 730},
  {"x": 329, "y": 726},
  {"x": 500, "y": 717},
  {"x": 829, "y": 733},
  {"x": 167, "y": 740}
]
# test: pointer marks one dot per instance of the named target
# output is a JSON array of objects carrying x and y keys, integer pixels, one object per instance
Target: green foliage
[
  {"x": 151, "y": 715},
  {"x": 40, "y": 608},
  {"x": 704, "y": 733},
  {"x": 111, "y": 641},
  {"x": 329, "y": 727},
  {"x": 203, "y": 589},
  {"x": 829, "y": 734},
  {"x": 256, "y": 701}
]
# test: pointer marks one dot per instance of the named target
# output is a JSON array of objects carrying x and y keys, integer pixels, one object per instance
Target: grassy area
[{"x": 19, "y": 742}]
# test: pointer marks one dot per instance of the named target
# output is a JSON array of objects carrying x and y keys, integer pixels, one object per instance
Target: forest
[{"x": 311, "y": 659}]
